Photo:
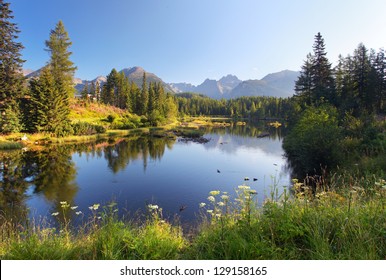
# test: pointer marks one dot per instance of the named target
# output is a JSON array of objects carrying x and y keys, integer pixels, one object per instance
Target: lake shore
[
  {"x": 346, "y": 224},
  {"x": 186, "y": 126}
]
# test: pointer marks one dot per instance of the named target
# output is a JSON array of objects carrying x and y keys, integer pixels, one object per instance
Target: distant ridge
[{"x": 280, "y": 84}]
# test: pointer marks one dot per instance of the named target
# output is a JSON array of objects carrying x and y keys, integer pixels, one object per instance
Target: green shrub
[
  {"x": 314, "y": 142},
  {"x": 84, "y": 128},
  {"x": 110, "y": 118}
]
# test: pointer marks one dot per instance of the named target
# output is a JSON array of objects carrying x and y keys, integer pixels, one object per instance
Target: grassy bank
[{"x": 349, "y": 223}]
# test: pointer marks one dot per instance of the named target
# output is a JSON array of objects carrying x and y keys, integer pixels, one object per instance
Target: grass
[
  {"x": 10, "y": 145},
  {"x": 321, "y": 223}
]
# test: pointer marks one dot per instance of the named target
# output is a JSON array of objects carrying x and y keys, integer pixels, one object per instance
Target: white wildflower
[
  {"x": 214, "y": 193},
  {"x": 74, "y": 207},
  {"x": 152, "y": 207},
  {"x": 55, "y": 214},
  {"x": 211, "y": 198},
  {"x": 94, "y": 207},
  {"x": 202, "y": 204},
  {"x": 221, "y": 204}
]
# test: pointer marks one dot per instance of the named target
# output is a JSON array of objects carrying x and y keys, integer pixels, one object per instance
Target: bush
[
  {"x": 110, "y": 118},
  {"x": 314, "y": 142},
  {"x": 84, "y": 128},
  {"x": 127, "y": 122}
]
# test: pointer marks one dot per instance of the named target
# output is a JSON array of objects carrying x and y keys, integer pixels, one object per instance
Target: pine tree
[
  {"x": 11, "y": 78},
  {"x": 92, "y": 91},
  {"x": 322, "y": 76},
  {"x": 49, "y": 107},
  {"x": 303, "y": 85},
  {"x": 160, "y": 97},
  {"x": 315, "y": 84},
  {"x": 97, "y": 91},
  {"x": 380, "y": 68},
  {"x": 50, "y": 94},
  {"x": 152, "y": 99},
  {"x": 144, "y": 100},
  {"x": 109, "y": 90},
  {"x": 134, "y": 97},
  {"x": 362, "y": 78},
  {"x": 61, "y": 67},
  {"x": 123, "y": 91},
  {"x": 85, "y": 92}
]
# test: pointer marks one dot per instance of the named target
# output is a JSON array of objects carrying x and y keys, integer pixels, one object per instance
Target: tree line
[
  {"x": 253, "y": 107},
  {"x": 357, "y": 85},
  {"x": 337, "y": 113}
]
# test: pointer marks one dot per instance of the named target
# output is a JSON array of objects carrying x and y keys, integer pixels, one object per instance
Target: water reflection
[{"x": 138, "y": 169}]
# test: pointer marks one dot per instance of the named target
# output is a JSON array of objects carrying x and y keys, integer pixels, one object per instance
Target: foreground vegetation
[{"x": 349, "y": 223}]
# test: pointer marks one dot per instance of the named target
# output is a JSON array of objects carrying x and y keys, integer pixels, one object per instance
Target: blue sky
[{"x": 189, "y": 41}]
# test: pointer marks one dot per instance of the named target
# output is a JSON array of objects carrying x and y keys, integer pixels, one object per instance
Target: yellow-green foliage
[{"x": 92, "y": 112}]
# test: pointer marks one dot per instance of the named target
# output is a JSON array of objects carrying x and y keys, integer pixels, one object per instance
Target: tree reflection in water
[{"x": 52, "y": 173}]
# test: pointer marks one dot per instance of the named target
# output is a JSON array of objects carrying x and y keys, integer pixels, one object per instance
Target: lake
[{"x": 140, "y": 169}]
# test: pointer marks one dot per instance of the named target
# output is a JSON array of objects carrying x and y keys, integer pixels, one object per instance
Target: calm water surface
[{"x": 139, "y": 170}]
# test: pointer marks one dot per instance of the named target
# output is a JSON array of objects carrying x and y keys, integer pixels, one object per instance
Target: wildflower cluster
[
  {"x": 65, "y": 206},
  {"x": 219, "y": 204},
  {"x": 155, "y": 212}
]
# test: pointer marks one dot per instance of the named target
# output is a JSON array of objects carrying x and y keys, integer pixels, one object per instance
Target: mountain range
[{"x": 280, "y": 84}]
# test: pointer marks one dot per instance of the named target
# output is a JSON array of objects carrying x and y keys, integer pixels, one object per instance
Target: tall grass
[
  {"x": 8, "y": 145},
  {"x": 321, "y": 223}
]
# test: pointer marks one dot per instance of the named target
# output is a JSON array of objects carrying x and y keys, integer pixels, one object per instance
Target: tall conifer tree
[
  {"x": 144, "y": 100},
  {"x": 316, "y": 81},
  {"x": 322, "y": 76},
  {"x": 50, "y": 94},
  {"x": 11, "y": 78},
  {"x": 62, "y": 68},
  {"x": 303, "y": 85}
]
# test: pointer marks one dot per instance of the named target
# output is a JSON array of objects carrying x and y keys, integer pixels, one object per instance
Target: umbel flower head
[
  {"x": 94, "y": 207},
  {"x": 152, "y": 206}
]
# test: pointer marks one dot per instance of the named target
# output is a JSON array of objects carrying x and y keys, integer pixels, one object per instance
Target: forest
[{"x": 336, "y": 116}]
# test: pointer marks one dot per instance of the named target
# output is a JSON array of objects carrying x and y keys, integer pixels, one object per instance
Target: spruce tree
[
  {"x": 303, "y": 85},
  {"x": 61, "y": 67},
  {"x": 322, "y": 76},
  {"x": 364, "y": 79},
  {"x": 109, "y": 91},
  {"x": 49, "y": 107},
  {"x": 380, "y": 87},
  {"x": 144, "y": 100},
  {"x": 11, "y": 78},
  {"x": 97, "y": 91},
  {"x": 85, "y": 92},
  {"x": 315, "y": 84},
  {"x": 50, "y": 94}
]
